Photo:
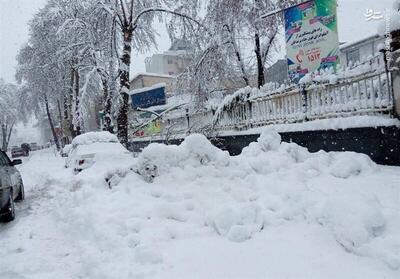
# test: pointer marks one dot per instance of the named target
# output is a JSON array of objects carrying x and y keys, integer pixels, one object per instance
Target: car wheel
[
  {"x": 21, "y": 194},
  {"x": 9, "y": 210}
]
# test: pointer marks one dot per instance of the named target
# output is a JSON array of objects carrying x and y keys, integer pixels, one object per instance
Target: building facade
[
  {"x": 142, "y": 80},
  {"x": 171, "y": 62},
  {"x": 362, "y": 51},
  {"x": 352, "y": 53}
]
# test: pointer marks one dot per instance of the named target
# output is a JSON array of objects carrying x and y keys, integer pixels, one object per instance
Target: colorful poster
[
  {"x": 312, "y": 41},
  {"x": 154, "y": 128}
]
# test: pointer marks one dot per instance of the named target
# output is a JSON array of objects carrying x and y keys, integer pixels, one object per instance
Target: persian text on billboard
[{"x": 311, "y": 37}]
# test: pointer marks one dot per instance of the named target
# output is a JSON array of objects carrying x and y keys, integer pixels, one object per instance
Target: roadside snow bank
[
  {"x": 195, "y": 151},
  {"x": 302, "y": 213},
  {"x": 273, "y": 182}
]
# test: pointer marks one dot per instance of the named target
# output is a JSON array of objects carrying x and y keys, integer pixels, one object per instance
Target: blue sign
[{"x": 149, "y": 98}]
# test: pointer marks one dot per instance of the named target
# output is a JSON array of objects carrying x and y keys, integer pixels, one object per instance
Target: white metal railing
[{"x": 366, "y": 94}]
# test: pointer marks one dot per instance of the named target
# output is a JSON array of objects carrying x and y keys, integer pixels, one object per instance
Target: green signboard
[{"x": 311, "y": 37}]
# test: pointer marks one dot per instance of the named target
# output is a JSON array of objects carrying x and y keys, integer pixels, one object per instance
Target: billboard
[
  {"x": 148, "y": 97},
  {"x": 154, "y": 128},
  {"x": 312, "y": 41}
]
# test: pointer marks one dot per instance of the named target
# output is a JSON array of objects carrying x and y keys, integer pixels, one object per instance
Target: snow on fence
[
  {"x": 188, "y": 123},
  {"x": 367, "y": 94}
]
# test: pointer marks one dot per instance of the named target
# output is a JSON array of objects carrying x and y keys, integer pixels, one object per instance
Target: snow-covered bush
[
  {"x": 194, "y": 151},
  {"x": 348, "y": 164},
  {"x": 269, "y": 140}
]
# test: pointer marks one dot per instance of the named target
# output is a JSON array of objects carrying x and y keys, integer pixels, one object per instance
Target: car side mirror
[{"x": 16, "y": 162}]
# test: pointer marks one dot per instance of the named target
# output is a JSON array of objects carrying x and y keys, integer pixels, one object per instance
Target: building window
[
  {"x": 170, "y": 61},
  {"x": 353, "y": 56}
]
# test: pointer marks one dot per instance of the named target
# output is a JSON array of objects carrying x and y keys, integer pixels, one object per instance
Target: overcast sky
[{"x": 14, "y": 15}]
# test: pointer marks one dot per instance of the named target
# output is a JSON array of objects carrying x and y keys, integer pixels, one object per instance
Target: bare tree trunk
[
  {"x": 77, "y": 124},
  {"x": 4, "y": 136},
  {"x": 61, "y": 121},
  {"x": 107, "y": 106},
  {"x": 65, "y": 107},
  {"x": 9, "y": 135},
  {"x": 238, "y": 56},
  {"x": 70, "y": 102},
  {"x": 122, "y": 118},
  {"x": 242, "y": 69},
  {"x": 260, "y": 64},
  {"x": 53, "y": 131}
]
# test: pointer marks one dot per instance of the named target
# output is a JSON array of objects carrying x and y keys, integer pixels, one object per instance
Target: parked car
[
  {"x": 26, "y": 148},
  {"x": 11, "y": 187},
  {"x": 34, "y": 146},
  {"x": 17, "y": 152},
  {"x": 96, "y": 147},
  {"x": 65, "y": 150}
]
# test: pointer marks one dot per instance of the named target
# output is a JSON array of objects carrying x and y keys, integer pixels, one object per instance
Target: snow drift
[
  {"x": 273, "y": 182},
  {"x": 275, "y": 211}
]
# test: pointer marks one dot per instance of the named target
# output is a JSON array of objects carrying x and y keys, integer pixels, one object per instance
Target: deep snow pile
[
  {"x": 279, "y": 182},
  {"x": 193, "y": 211}
]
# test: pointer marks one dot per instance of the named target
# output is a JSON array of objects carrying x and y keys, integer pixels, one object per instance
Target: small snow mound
[
  {"x": 348, "y": 164},
  {"x": 195, "y": 151},
  {"x": 354, "y": 222},
  {"x": 239, "y": 233},
  {"x": 92, "y": 137},
  {"x": 269, "y": 140},
  {"x": 237, "y": 224}
]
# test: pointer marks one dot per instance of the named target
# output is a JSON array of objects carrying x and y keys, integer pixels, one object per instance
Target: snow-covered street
[
  {"x": 276, "y": 211},
  {"x": 194, "y": 139}
]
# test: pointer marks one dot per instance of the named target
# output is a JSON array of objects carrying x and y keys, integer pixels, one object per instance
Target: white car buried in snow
[{"x": 96, "y": 147}]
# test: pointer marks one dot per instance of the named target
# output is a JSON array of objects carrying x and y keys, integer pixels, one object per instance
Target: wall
[
  {"x": 368, "y": 48},
  {"x": 167, "y": 64},
  {"x": 155, "y": 64},
  {"x": 382, "y": 144}
]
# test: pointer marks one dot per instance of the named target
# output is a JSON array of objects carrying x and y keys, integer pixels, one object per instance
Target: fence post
[
  {"x": 304, "y": 100},
  {"x": 188, "y": 119},
  {"x": 392, "y": 60}
]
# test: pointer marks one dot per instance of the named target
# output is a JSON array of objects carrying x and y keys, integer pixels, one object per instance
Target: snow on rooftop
[
  {"x": 145, "y": 89},
  {"x": 151, "y": 75},
  {"x": 172, "y": 101},
  {"x": 375, "y": 36}
]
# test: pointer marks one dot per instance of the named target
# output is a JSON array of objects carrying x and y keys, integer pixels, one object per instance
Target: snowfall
[{"x": 193, "y": 211}]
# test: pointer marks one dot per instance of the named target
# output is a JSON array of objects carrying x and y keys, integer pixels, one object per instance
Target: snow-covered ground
[{"x": 276, "y": 211}]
